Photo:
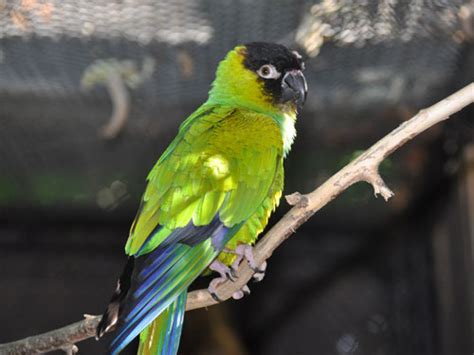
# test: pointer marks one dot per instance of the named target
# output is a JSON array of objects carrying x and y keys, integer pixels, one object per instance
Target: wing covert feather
[{"x": 222, "y": 162}]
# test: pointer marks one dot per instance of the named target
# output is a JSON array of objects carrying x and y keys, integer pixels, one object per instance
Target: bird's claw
[
  {"x": 244, "y": 291},
  {"x": 246, "y": 251},
  {"x": 237, "y": 295},
  {"x": 223, "y": 270},
  {"x": 233, "y": 272},
  {"x": 260, "y": 272},
  {"x": 230, "y": 273},
  {"x": 215, "y": 297}
]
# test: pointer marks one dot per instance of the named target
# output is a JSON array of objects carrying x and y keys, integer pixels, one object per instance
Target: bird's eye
[{"x": 268, "y": 71}]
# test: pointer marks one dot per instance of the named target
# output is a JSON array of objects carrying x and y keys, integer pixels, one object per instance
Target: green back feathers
[{"x": 219, "y": 164}]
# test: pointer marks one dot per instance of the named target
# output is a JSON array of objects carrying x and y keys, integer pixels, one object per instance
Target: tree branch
[{"x": 364, "y": 168}]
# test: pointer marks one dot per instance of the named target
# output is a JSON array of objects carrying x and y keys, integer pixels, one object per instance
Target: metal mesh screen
[{"x": 55, "y": 54}]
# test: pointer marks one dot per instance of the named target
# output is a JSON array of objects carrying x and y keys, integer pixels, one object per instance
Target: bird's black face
[{"x": 280, "y": 70}]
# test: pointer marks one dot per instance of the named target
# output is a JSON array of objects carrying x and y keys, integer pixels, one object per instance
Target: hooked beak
[{"x": 294, "y": 88}]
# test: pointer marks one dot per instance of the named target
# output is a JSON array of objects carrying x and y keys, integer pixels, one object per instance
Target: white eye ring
[{"x": 268, "y": 71}]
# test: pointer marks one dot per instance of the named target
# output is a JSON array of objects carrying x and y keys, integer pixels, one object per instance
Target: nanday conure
[{"x": 209, "y": 195}]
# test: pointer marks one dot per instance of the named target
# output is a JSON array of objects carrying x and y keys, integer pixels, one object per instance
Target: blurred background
[{"x": 91, "y": 92}]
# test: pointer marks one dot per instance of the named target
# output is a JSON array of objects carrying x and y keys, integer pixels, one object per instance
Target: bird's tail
[{"x": 161, "y": 337}]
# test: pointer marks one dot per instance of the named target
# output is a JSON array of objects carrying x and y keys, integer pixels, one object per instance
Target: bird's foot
[
  {"x": 212, "y": 288},
  {"x": 244, "y": 291},
  {"x": 223, "y": 270},
  {"x": 246, "y": 251},
  {"x": 258, "y": 276},
  {"x": 226, "y": 273},
  {"x": 237, "y": 295}
]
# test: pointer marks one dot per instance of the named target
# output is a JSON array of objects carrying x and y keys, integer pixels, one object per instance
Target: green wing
[{"x": 222, "y": 163}]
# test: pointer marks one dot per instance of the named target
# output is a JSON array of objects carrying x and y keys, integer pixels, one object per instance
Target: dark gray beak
[{"x": 294, "y": 88}]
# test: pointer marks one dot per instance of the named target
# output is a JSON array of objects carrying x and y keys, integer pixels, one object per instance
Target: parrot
[{"x": 208, "y": 196}]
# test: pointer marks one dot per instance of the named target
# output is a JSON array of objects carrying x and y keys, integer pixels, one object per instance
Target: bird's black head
[{"x": 279, "y": 69}]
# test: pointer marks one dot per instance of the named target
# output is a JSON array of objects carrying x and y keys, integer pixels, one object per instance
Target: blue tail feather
[
  {"x": 173, "y": 276},
  {"x": 155, "y": 289},
  {"x": 159, "y": 282},
  {"x": 163, "y": 335}
]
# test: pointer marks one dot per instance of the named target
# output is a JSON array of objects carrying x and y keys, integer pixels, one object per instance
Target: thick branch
[{"x": 364, "y": 168}]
